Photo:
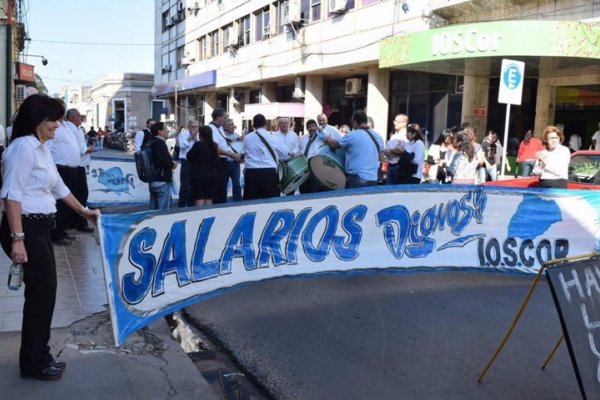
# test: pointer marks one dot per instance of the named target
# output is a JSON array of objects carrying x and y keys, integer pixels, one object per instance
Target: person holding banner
[
  {"x": 203, "y": 158},
  {"x": 364, "y": 150},
  {"x": 30, "y": 190},
  {"x": 552, "y": 164},
  {"x": 263, "y": 152}
]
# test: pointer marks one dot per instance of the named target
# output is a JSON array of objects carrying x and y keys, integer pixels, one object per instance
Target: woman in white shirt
[
  {"x": 412, "y": 156},
  {"x": 552, "y": 164},
  {"x": 30, "y": 189}
]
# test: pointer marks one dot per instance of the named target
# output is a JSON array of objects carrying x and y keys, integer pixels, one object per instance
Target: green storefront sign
[{"x": 493, "y": 39}]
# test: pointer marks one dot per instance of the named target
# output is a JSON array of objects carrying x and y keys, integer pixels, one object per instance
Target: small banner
[
  {"x": 158, "y": 262},
  {"x": 114, "y": 181}
]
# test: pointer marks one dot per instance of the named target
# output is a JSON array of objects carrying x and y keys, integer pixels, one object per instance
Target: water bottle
[{"x": 15, "y": 276}]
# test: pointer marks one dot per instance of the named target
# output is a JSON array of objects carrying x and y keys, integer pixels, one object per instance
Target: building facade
[
  {"x": 123, "y": 101},
  {"x": 436, "y": 60}
]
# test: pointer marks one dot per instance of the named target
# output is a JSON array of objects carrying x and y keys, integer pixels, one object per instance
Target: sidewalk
[{"x": 150, "y": 365}]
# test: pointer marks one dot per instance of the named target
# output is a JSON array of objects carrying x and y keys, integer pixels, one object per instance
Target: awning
[
  {"x": 204, "y": 79},
  {"x": 274, "y": 110}
]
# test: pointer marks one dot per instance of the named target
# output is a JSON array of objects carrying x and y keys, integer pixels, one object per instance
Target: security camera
[{"x": 44, "y": 61}]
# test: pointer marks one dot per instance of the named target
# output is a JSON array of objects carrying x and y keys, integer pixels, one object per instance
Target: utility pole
[{"x": 8, "y": 82}]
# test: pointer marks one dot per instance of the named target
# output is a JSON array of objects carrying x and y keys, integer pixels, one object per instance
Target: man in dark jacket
[{"x": 161, "y": 188}]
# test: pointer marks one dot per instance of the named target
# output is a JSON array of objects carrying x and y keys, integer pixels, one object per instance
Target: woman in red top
[{"x": 527, "y": 152}]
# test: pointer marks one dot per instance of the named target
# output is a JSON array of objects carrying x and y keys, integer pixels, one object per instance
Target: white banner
[
  {"x": 156, "y": 263},
  {"x": 114, "y": 181}
]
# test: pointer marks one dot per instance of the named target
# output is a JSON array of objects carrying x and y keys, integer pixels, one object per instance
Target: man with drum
[
  {"x": 288, "y": 136},
  {"x": 325, "y": 127},
  {"x": 363, "y": 148},
  {"x": 263, "y": 152},
  {"x": 225, "y": 153},
  {"x": 234, "y": 140},
  {"x": 309, "y": 144}
]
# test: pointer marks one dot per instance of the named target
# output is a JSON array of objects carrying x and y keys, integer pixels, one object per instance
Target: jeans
[
  {"x": 391, "y": 178},
  {"x": 354, "y": 181},
  {"x": 233, "y": 172},
  {"x": 185, "y": 183},
  {"x": 485, "y": 171},
  {"x": 160, "y": 195},
  {"x": 527, "y": 167}
]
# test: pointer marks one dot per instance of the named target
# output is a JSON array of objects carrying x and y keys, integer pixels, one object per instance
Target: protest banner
[{"x": 158, "y": 262}]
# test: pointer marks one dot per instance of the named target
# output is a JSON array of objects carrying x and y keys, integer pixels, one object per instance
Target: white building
[
  {"x": 436, "y": 60},
  {"x": 123, "y": 101}
]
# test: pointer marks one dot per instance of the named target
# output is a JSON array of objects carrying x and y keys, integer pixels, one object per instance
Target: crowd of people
[{"x": 211, "y": 157}]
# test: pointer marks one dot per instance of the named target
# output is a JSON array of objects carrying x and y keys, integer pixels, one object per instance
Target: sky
[{"x": 120, "y": 33}]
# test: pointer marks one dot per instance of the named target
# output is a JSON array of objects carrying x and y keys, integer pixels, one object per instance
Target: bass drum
[
  {"x": 328, "y": 167},
  {"x": 293, "y": 173}
]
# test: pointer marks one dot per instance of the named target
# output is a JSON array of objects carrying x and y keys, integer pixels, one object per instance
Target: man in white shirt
[
  {"x": 233, "y": 167},
  {"x": 186, "y": 140},
  {"x": 225, "y": 153},
  {"x": 286, "y": 134},
  {"x": 142, "y": 137},
  {"x": 326, "y": 128},
  {"x": 575, "y": 142},
  {"x": 67, "y": 150},
  {"x": 263, "y": 152},
  {"x": 309, "y": 144},
  {"x": 398, "y": 139}
]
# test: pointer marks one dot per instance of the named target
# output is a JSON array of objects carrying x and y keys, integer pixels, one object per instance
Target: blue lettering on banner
[
  {"x": 514, "y": 253},
  {"x": 114, "y": 180},
  {"x": 410, "y": 234}
]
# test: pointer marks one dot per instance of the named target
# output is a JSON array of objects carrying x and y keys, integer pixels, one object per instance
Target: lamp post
[{"x": 44, "y": 59}]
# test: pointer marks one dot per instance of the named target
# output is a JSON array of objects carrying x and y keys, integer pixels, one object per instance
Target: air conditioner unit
[
  {"x": 20, "y": 92},
  {"x": 291, "y": 13},
  {"x": 232, "y": 37},
  {"x": 353, "y": 86},
  {"x": 337, "y": 6},
  {"x": 174, "y": 19},
  {"x": 167, "y": 68},
  {"x": 187, "y": 61}
]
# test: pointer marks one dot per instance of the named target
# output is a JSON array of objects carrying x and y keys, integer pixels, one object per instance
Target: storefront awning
[
  {"x": 576, "y": 41},
  {"x": 204, "y": 79},
  {"x": 274, "y": 110}
]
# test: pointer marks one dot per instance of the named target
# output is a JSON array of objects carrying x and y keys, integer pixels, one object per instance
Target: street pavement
[
  {"x": 425, "y": 335},
  {"x": 150, "y": 365}
]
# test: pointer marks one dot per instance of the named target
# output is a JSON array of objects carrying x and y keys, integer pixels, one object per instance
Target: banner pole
[
  {"x": 514, "y": 323},
  {"x": 556, "y": 346}
]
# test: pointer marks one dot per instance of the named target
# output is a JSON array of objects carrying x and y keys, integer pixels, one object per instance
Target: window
[
  {"x": 262, "y": 24},
  {"x": 202, "y": 48},
  {"x": 311, "y": 10},
  {"x": 165, "y": 21},
  {"x": 244, "y": 31},
  {"x": 179, "y": 57},
  {"x": 214, "y": 43},
  {"x": 281, "y": 9}
]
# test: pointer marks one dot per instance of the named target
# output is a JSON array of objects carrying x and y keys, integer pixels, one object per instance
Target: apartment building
[{"x": 437, "y": 60}]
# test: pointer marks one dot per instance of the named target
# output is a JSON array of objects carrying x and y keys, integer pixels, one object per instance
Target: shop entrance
[{"x": 578, "y": 111}]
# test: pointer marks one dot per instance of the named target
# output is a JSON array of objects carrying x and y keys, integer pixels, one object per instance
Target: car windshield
[{"x": 585, "y": 168}]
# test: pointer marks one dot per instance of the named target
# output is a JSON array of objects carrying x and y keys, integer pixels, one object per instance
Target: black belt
[
  {"x": 38, "y": 217},
  {"x": 65, "y": 166}
]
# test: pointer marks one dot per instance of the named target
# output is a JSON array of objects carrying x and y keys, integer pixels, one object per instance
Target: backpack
[{"x": 144, "y": 165}]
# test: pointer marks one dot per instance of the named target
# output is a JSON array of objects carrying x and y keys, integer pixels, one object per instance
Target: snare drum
[
  {"x": 293, "y": 173},
  {"x": 328, "y": 167}
]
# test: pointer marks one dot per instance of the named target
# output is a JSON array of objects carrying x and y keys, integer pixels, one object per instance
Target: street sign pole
[{"x": 512, "y": 76}]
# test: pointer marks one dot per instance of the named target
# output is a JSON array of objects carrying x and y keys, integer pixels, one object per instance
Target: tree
[{"x": 39, "y": 85}]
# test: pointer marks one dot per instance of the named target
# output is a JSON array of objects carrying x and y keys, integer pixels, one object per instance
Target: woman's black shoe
[
  {"x": 58, "y": 364},
  {"x": 47, "y": 374}
]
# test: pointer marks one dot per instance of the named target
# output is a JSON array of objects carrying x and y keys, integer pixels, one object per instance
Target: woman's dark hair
[
  {"x": 415, "y": 129},
  {"x": 156, "y": 128},
  {"x": 207, "y": 134},
  {"x": 463, "y": 143},
  {"x": 445, "y": 134},
  {"x": 36, "y": 109}
]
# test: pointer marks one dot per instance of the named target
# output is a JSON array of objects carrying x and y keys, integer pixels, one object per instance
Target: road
[{"x": 391, "y": 336}]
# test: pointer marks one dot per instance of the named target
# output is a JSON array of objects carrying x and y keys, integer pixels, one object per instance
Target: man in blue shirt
[{"x": 364, "y": 149}]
